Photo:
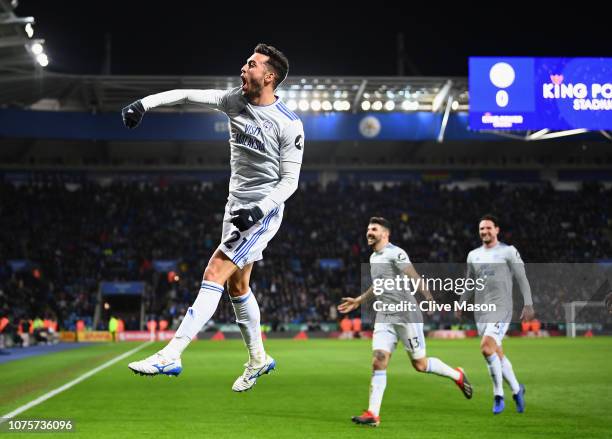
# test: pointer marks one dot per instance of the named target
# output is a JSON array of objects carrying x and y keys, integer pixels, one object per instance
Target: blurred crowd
[{"x": 75, "y": 235}]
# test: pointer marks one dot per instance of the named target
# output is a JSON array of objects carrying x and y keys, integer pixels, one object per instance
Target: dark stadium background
[
  {"x": 90, "y": 210},
  {"x": 193, "y": 38}
]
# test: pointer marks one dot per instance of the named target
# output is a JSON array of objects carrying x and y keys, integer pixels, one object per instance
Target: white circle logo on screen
[
  {"x": 502, "y": 76},
  {"x": 369, "y": 127}
]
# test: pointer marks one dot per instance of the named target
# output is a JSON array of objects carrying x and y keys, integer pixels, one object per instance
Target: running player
[
  {"x": 496, "y": 263},
  {"x": 387, "y": 262}
]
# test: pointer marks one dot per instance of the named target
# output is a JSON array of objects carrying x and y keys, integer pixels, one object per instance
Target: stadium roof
[
  {"x": 24, "y": 84},
  {"x": 20, "y": 53},
  {"x": 109, "y": 93}
]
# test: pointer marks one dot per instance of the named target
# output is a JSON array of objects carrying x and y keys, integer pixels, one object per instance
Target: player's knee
[
  {"x": 379, "y": 365},
  {"x": 212, "y": 272},
  {"x": 487, "y": 348},
  {"x": 237, "y": 287},
  {"x": 379, "y": 360},
  {"x": 420, "y": 364},
  {"x": 487, "y": 351}
]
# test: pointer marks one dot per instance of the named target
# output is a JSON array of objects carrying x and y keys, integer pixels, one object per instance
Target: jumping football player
[{"x": 266, "y": 144}]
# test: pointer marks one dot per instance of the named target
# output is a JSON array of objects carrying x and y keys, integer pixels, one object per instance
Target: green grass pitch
[{"x": 318, "y": 386}]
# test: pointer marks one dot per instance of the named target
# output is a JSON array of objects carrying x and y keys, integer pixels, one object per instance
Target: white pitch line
[{"x": 72, "y": 383}]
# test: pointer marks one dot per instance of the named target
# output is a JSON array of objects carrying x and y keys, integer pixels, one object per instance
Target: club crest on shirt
[
  {"x": 267, "y": 125},
  {"x": 299, "y": 142}
]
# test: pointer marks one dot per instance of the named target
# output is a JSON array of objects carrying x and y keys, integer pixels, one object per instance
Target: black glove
[
  {"x": 132, "y": 114},
  {"x": 244, "y": 219}
]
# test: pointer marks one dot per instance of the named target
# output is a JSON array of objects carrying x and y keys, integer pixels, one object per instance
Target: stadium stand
[{"x": 75, "y": 235}]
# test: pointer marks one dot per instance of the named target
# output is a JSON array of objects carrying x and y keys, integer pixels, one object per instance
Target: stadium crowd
[{"x": 75, "y": 235}]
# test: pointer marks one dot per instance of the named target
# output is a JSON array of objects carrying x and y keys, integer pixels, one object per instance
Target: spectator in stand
[{"x": 346, "y": 328}]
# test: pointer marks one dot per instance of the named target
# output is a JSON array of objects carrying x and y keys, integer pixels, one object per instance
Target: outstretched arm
[
  {"x": 350, "y": 303},
  {"x": 210, "y": 98},
  {"x": 133, "y": 113}
]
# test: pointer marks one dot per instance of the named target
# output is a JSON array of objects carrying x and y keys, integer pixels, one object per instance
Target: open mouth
[{"x": 244, "y": 83}]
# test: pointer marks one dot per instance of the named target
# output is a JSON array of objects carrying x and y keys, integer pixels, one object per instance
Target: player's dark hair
[
  {"x": 492, "y": 218},
  {"x": 381, "y": 221},
  {"x": 277, "y": 61}
]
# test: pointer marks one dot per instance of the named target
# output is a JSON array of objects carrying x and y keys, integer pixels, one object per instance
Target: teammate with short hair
[
  {"x": 496, "y": 264},
  {"x": 267, "y": 144},
  {"x": 386, "y": 262}
]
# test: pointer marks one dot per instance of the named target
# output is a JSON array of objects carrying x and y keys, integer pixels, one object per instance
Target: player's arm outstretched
[
  {"x": 133, "y": 113},
  {"x": 351, "y": 303},
  {"x": 518, "y": 271}
]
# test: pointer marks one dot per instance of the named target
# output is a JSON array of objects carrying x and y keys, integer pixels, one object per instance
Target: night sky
[{"x": 190, "y": 38}]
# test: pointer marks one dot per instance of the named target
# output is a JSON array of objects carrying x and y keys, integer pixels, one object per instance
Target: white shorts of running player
[
  {"x": 246, "y": 247},
  {"x": 496, "y": 331},
  {"x": 386, "y": 336}
]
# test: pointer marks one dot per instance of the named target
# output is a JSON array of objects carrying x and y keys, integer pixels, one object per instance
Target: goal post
[{"x": 583, "y": 315}]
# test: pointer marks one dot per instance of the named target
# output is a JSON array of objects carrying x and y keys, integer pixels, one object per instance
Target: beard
[{"x": 253, "y": 90}]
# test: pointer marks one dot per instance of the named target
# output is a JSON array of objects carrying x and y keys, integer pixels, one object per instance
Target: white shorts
[
  {"x": 246, "y": 247},
  {"x": 386, "y": 336},
  {"x": 497, "y": 331}
]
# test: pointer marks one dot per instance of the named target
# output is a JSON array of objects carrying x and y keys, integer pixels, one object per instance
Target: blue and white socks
[
  {"x": 509, "y": 376},
  {"x": 495, "y": 370},
  {"x": 248, "y": 318},
  {"x": 197, "y": 315}
]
